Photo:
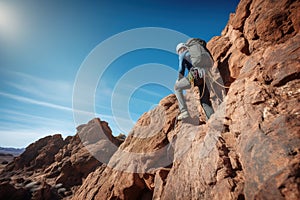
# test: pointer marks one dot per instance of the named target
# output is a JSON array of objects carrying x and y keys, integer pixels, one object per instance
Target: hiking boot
[{"x": 183, "y": 115}]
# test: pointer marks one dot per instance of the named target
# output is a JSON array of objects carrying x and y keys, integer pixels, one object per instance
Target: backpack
[{"x": 197, "y": 47}]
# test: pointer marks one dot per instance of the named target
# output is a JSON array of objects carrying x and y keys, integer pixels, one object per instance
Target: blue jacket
[{"x": 184, "y": 62}]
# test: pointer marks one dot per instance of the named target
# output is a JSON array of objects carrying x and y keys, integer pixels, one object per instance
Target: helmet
[{"x": 179, "y": 46}]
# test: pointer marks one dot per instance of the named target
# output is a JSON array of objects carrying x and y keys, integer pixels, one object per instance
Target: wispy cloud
[
  {"x": 89, "y": 115},
  {"x": 19, "y": 129},
  {"x": 20, "y": 122},
  {"x": 47, "y": 104},
  {"x": 56, "y": 90},
  {"x": 29, "y": 119},
  {"x": 33, "y": 101},
  {"x": 84, "y": 115}
]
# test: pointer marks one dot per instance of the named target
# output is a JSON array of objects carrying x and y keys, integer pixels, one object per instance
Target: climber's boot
[{"x": 183, "y": 115}]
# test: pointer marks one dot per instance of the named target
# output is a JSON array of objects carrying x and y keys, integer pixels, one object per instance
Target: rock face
[
  {"x": 129, "y": 159},
  {"x": 52, "y": 168},
  {"x": 248, "y": 149}
]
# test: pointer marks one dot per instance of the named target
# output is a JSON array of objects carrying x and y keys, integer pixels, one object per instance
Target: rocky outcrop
[
  {"x": 146, "y": 154},
  {"x": 249, "y": 149},
  {"x": 127, "y": 165},
  {"x": 39, "y": 154},
  {"x": 53, "y": 167}
]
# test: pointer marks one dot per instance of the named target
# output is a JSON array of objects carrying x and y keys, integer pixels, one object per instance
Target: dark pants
[
  {"x": 184, "y": 84},
  {"x": 205, "y": 100}
]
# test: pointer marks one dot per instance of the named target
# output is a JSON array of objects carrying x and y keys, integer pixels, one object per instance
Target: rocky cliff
[
  {"x": 248, "y": 149},
  {"x": 53, "y": 167}
]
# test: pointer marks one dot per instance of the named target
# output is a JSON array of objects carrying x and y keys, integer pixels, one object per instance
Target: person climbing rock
[{"x": 196, "y": 71}]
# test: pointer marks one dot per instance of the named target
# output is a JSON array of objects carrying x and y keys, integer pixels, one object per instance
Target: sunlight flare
[{"x": 9, "y": 25}]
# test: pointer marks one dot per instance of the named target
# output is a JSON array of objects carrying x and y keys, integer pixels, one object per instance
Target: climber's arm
[{"x": 182, "y": 64}]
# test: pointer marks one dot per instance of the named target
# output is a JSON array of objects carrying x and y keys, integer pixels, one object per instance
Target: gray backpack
[{"x": 198, "y": 52}]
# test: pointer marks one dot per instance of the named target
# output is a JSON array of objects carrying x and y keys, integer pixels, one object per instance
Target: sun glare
[{"x": 8, "y": 21}]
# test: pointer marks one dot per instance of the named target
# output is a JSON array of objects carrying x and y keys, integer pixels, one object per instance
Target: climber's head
[{"x": 181, "y": 47}]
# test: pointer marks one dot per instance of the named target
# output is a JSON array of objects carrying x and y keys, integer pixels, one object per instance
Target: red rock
[
  {"x": 34, "y": 155},
  {"x": 54, "y": 161},
  {"x": 8, "y": 191},
  {"x": 249, "y": 149}
]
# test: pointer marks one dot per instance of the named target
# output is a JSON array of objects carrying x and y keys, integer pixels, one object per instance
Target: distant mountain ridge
[{"x": 11, "y": 150}]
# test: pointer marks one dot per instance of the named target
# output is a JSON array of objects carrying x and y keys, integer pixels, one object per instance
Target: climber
[{"x": 183, "y": 83}]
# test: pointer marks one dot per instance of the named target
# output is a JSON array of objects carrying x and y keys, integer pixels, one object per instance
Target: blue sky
[{"x": 44, "y": 43}]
